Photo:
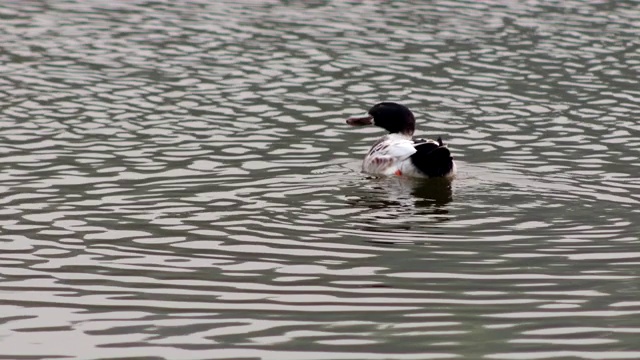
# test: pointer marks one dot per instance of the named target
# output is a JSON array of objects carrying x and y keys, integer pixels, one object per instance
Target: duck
[{"x": 399, "y": 152}]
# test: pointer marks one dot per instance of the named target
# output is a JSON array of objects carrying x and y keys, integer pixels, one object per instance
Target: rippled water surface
[{"x": 178, "y": 181}]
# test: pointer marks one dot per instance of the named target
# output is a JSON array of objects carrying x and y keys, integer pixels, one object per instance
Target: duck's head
[{"x": 393, "y": 117}]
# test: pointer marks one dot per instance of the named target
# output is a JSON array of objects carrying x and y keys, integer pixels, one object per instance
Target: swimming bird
[{"x": 399, "y": 153}]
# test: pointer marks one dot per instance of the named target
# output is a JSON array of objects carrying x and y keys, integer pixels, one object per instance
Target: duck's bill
[{"x": 359, "y": 121}]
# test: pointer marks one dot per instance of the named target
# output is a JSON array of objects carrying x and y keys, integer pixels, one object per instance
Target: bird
[{"x": 399, "y": 152}]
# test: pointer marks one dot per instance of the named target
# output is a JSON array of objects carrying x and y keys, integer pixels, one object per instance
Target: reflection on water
[
  {"x": 178, "y": 182},
  {"x": 398, "y": 202},
  {"x": 435, "y": 193}
]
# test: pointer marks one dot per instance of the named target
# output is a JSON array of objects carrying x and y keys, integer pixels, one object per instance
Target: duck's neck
[{"x": 407, "y": 133}]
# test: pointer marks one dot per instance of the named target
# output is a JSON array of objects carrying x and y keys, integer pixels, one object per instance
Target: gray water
[{"x": 178, "y": 181}]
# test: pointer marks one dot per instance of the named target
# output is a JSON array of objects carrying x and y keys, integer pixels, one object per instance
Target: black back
[{"x": 433, "y": 160}]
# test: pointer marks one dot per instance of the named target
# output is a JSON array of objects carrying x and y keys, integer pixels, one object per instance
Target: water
[{"x": 178, "y": 181}]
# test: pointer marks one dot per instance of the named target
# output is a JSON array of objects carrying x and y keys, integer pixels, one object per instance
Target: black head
[{"x": 393, "y": 117}]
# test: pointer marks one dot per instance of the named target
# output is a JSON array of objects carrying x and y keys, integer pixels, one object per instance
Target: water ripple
[{"x": 178, "y": 180}]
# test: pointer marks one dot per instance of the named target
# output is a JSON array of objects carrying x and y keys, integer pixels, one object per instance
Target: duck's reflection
[
  {"x": 432, "y": 193},
  {"x": 398, "y": 203}
]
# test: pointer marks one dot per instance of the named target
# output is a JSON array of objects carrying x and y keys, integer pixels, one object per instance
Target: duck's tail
[{"x": 433, "y": 160}]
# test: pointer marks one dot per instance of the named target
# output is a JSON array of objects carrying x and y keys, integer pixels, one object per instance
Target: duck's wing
[
  {"x": 399, "y": 149},
  {"x": 432, "y": 158},
  {"x": 385, "y": 156}
]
